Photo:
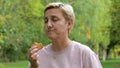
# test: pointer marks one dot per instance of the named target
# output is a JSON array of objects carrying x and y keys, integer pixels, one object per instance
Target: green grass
[
  {"x": 20, "y": 64},
  {"x": 24, "y": 64},
  {"x": 111, "y": 63}
]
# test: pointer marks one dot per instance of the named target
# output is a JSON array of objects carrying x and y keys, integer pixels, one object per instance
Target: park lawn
[
  {"x": 111, "y": 63},
  {"x": 24, "y": 64},
  {"x": 19, "y": 64}
]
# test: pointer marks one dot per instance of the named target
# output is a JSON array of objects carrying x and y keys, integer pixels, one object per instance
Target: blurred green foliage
[{"x": 21, "y": 23}]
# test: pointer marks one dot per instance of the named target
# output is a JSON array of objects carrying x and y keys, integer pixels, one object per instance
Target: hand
[{"x": 32, "y": 56}]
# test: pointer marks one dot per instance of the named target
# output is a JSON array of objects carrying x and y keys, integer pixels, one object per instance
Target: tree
[
  {"x": 92, "y": 23},
  {"x": 20, "y": 24},
  {"x": 115, "y": 28}
]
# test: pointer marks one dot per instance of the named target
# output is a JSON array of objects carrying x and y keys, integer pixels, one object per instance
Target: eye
[
  {"x": 45, "y": 20},
  {"x": 54, "y": 19}
]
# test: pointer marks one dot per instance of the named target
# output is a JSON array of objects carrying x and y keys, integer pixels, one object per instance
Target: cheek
[{"x": 62, "y": 28}]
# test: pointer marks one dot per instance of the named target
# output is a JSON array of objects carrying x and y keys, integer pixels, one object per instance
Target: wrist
[{"x": 33, "y": 65}]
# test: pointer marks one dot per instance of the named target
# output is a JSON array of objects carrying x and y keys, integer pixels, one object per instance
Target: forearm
[{"x": 33, "y": 65}]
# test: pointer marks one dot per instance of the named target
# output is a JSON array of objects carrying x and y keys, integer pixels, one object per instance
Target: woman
[{"x": 62, "y": 52}]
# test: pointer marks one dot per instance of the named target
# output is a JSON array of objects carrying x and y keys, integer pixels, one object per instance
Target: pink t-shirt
[{"x": 75, "y": 55}]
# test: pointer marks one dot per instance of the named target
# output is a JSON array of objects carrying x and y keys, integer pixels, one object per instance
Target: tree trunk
[
  {"x": 108, "y": 53},
  {"x": 104, "y": 55}
]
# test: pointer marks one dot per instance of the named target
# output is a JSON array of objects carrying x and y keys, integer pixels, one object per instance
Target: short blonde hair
[{"x": 67, "y": 9}]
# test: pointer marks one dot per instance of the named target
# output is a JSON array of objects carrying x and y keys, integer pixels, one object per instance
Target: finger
[
  {"x": 35, "y": 56},
  {"x": 29, "y": 52},
  {"x": 32, "y": 47},
  {"x": 34, "y": 50},
  {"x": 38, "y": 62}
]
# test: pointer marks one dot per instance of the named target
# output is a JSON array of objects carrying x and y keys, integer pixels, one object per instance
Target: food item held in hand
[{"x": 39, "y": 45}]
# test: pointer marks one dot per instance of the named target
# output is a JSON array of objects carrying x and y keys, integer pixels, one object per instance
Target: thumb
[{"x": 38, "y": 62}]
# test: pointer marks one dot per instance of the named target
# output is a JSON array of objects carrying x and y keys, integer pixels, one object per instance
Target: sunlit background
[{"x": 97, "y": 24}]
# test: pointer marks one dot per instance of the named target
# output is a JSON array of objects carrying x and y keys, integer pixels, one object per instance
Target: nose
[{"x": 49, "y": 24}]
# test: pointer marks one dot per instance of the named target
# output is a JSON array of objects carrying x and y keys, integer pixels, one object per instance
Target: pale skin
[{"x": 56, "y": 28}]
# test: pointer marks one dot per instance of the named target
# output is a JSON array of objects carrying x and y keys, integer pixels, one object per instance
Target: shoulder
[
  {"x": 88, "y": 57},
  {"x": 84, "y": 49}
]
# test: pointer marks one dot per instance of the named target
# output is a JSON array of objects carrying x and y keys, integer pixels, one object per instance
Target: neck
[{"x": 60, "y": 44}]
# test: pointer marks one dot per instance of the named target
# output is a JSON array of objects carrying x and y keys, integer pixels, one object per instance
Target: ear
[{"x": 70, "y": 23}]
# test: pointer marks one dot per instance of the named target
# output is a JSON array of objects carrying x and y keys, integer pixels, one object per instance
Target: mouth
[{"x": 50, "y": 30}]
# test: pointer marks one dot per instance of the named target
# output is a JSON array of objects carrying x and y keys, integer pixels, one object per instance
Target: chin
[{"x": 52, "y": 37}]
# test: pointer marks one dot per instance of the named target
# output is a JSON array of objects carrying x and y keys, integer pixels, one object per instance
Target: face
[{"x": 56, "y": 26}]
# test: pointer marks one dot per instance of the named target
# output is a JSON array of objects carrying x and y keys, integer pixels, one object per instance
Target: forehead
[{"x": 53, "y": 12}]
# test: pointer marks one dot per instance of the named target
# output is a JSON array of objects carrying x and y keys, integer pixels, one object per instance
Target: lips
[{"x": 50, "y": 30}]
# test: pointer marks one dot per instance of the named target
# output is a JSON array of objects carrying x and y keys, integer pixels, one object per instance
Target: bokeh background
[{"x": 97, "y": 25}]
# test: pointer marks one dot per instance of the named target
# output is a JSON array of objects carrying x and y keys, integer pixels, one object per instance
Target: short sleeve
[{"x": 92, "y": 61}]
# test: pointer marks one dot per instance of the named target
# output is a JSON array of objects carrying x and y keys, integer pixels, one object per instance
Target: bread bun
[{"x": 39, "y": 45}]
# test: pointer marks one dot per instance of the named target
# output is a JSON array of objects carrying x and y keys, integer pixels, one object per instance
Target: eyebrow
[
  {"x": 51, "y": 16},
  {"x": 54, "y": 16}
]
